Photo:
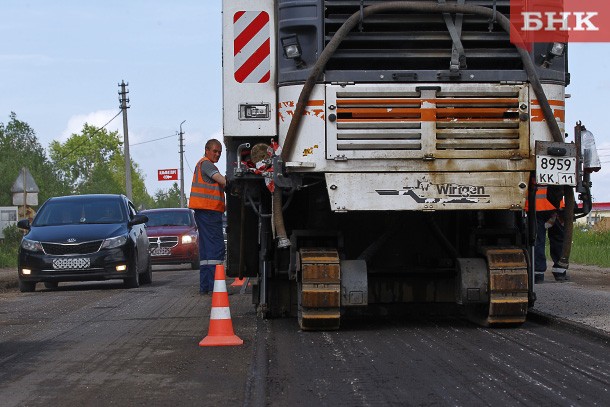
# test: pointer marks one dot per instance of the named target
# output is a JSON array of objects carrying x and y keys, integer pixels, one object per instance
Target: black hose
[
  {"x": 568, "y": 231},
  {"x": 278, "y": 219},
  {"x": 257, "y": 212},
  {"x": 242, "y": 228}
]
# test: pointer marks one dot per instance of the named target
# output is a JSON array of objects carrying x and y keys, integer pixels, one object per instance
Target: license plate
[
  {"x": 555, "y": 170},
  {"x": 161, "y": 251},
  {"x": 72, "y": 263}
]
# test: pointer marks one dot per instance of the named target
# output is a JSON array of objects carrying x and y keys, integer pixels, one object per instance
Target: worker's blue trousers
[
  {"x": 211, "y": 246},
  {"x": 555, "y": 233}
]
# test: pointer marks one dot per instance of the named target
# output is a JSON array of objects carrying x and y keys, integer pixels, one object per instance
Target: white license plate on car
[
  {"x": 552, "y": 170},
  {"x": 161, "y": 251},
  {"x": 72, "y": 263}
]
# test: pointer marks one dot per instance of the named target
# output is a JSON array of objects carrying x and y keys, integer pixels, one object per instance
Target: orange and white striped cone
[{"x": 220, "y": 332}]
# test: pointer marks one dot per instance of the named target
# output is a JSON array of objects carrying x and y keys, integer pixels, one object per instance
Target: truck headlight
[
  {"x": 114, "y": 242},
  {"x": 31, "y": 245}
]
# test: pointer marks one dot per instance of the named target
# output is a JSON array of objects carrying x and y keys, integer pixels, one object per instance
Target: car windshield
[
  {"x": 73, "y": 212},
  {"x": 169, "y": 218}
]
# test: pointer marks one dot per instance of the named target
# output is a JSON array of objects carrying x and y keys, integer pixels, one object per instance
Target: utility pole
[
  {"x": 181, "y": 166},
  {"x": 124, "y": 100}
]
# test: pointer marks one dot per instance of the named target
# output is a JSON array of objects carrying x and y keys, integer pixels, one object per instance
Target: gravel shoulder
[
  {"x": 584, "y": 299},
  {"x": 593, "y": 277},
  {"x": 8, "y": 279}
]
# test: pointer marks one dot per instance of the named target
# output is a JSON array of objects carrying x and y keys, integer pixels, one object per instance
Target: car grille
[
  {"x": 162, "y": 241},
  {"x": 71, "y": 248}
]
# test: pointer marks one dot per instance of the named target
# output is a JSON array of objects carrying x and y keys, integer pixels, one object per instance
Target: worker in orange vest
[
  {"x": 207, "y": 199},
  {"x": 549, "y": 220}
]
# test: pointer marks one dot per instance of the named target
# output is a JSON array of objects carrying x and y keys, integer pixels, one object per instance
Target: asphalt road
[
  {"x": 434, "y": 362},
  {"x": 99, "y": 345}
]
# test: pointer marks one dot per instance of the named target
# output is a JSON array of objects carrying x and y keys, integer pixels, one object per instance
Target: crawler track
[{"x": 319, "y": 289}]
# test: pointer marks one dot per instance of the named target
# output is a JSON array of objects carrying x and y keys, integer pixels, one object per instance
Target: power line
[
  {"x": 150, "y": 141},
  {"x": 86, "y": 139},
  {"x": 115, "y": 116},
  {"x": 187, "y": 163}
]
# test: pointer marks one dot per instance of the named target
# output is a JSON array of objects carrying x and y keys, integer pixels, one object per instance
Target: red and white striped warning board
[{"x": 251, "y": 47}]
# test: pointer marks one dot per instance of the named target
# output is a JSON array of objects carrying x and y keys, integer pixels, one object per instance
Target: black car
[{"x": 84, "y": 238}]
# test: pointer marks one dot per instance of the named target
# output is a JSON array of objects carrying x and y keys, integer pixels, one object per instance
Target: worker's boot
[
  {"x": 560, "y": 274},
  {"x": 538, "y": 277}
]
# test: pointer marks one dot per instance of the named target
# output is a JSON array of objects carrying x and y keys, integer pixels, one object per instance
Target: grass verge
[
  {"x": 9, "y": 247},
  {"x": 592, "y": 246}
]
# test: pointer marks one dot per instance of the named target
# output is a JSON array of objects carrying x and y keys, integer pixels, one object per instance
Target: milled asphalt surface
[{"x": 583, "y": 301}]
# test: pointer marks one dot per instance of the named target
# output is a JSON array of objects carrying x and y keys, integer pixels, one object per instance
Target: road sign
[
  {"x": 25, "y": 191},
  {"x": 168, "y": 175}
]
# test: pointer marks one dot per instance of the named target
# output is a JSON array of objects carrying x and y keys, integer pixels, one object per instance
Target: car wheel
[
  {"x": 195, "y": 265},
  {"x": 27, "y": 286},
  {"x": 51, "y": 284},
  {"x": 134, "y": 280},
  {"x": 147, "y": 275}
]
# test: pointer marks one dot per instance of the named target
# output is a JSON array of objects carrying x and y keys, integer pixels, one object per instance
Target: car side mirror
[
  {"x": 24, "y": 224},
  {"x": 138, "y": 220}
]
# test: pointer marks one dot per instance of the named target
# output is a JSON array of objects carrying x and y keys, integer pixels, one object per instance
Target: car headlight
[
  {"x": 31, "y": 245},
  {"x": 186, "y": 239},
  {"x": 114, "y": 242}
]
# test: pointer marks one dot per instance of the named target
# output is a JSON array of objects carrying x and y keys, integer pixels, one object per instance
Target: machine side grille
[
  {"x": 467, "y": 123},
  {"x": 455, "y": 122},
  {"x": 379, "y": 122},
  {"x": 60, "y": 249}
]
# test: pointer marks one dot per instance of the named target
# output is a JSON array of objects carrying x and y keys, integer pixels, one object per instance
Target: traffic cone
[
  {"x": 220, "y": 332},
  {"x": 238, "y": 282}
]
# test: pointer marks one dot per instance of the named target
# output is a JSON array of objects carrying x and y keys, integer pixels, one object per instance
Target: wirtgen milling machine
[{"x": 382, "y": 153}]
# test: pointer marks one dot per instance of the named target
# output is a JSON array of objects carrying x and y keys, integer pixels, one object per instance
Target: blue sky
[{"x": 61, "y": 62}]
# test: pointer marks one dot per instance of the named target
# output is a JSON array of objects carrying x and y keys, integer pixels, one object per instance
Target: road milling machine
[{"x": 382, "y": 153}]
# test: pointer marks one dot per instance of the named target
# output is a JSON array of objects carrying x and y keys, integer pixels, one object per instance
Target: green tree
[
  {"x": 169, "y": 198},
  {"x": 141, "y": 198},
  {"x": 19, "y": 147},
  {"x": 93, "y": 162}
]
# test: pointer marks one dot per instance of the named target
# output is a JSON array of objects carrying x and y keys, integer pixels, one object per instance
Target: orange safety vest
[
  {"x": 543, "y": 204},
  {"x": 206, "y": 195}
]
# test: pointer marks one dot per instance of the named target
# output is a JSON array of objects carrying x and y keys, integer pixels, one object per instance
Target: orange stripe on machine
[
  {"x": 551, "y": 102},
  {"x": 313, "y": 108},
  {"x": 558, "y": 107},
  {"x": 538, "y": 116}
]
